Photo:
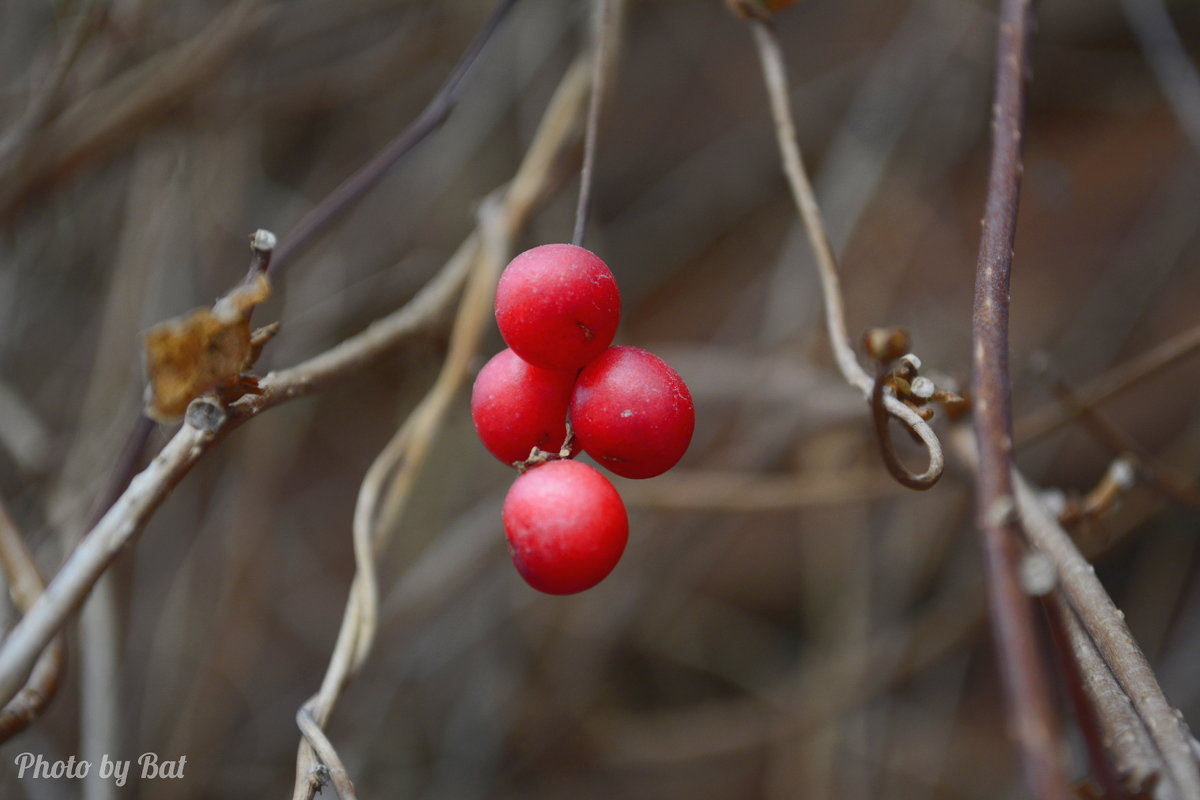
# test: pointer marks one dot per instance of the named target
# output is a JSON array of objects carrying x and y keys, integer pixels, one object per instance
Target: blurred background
[{"x": 787, "y": 621}]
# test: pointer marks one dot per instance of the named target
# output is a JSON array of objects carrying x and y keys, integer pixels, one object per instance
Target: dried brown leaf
[{"x": 201, "y": 351}]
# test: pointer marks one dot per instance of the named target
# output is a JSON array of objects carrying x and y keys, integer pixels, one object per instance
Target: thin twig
[
  {"x": 1066, "y": 635},
  {"x": 1049, "y": 418},
  {"x": 604, "y": 31},
  {"x": 89, "y": 18},
  {"x": 106, "y": 119},
  {"x": 266, "y": 253},
  {"x": 115, "y": 530},
  {"x": 1162, "y": 47},
  {"x": 1031, "y": 713},
  {"x": 392, "y": 475},
  {"x": 101, "y": 690},
  {"x": 1160, "y": 477},
  {"x": 1118, "y": 652},
  {"x": 1117, "y": 480},
  {"x": 359, "y": 620},
  {"x": 347, "y": 357},
  {"x": 316, "y": 739},
  {"x": 122, "y": 520},
  {"x": 887, "y": 448},
  {"x": 775, "y": 77},
  {"x": 777, "y": 87},
  {"x": 126, "y": 467},
  {"x": 1105, "y": 624},
  {"x": 1123, "y": 734},
  {"x": 26, "y": 586},
  {"x": 341, "y": 199},
  {"x": 120, "y": 523},
  {"x": 262, "y": 247}
]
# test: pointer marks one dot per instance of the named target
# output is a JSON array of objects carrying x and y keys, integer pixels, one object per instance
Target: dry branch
[
  {"x": 1105, "y": 624},
  {"x": 1116, "y": 380},
  {"x": 26, "y": 586},
  {"x": 107, "y": 119},
  {"x": 1169, "y": 58},
  {"x": 115, "y": 531},
  {"x": 341, "y": 199},
  {"x": 775, "y": 77},
  {"x": 768, "y": 431},
  {"x": 1032, "y": 718},
  {"x": 1110, "y": 647},
  {"x": 1126, "y": 756},
  {"x": 119, "y": 527},
  {"x": 389, "y": 481}
]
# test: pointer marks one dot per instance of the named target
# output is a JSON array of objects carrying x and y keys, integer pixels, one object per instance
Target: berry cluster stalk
[{"x": 606, "y": 23}]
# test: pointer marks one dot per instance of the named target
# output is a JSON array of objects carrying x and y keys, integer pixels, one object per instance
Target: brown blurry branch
[
  {"x": 47, "y": 99},
  {"x": 1049, "y": 418},
  {"x": 1147, "y": 468},
  {"x": 775, "y": 77},
  {"x": 810, "y": 698},
  {"x": 389, "y": 481},
  {"x": 341, "y": 199},
  {"x": 104, "y": 120},
  {"x": 119, "y": 527},
  {"x": 1032, "y": 719},
  {"x": 741, "y": 492},
  {"x": 26, "y": 586},
  {"x": 1168, "y": 57}
]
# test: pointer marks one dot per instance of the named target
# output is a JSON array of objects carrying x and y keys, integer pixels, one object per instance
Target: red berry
[
  {"x": 566, "y": 527},
  {"x": 517, "y": 406},
  {"x": 557, "y": 306},
  {"x": 632, "y": 413}
]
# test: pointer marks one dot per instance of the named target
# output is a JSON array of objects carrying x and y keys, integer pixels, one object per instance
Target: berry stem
[
  {"x": 604, "y": 31},
  {"x": 568, "y": 440},
  {"x": 538, "y": 456}
]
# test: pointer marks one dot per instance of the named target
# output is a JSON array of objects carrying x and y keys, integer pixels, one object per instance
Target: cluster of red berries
[{"x": 557, "y": 307}]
